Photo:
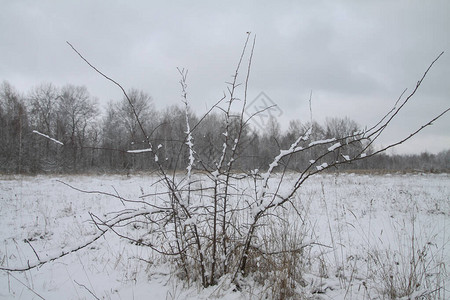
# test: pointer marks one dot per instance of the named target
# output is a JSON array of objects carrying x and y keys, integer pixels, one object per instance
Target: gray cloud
[{"x": 356, "y": 56}]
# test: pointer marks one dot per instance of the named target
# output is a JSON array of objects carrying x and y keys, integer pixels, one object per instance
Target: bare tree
[
  {"x": 122, "y": 132},
  {"x": 43, "y": 115},
  {"x": 143, "y": 107},
  {"x": 114, "y": 140},
  {"x": 75, "y": 116},
  {"x": 14, "y": 127}
]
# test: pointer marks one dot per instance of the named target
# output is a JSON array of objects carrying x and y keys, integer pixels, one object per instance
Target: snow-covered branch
[
  {"x": 48, "y": 137},
  {"x": 140, "y": 150}
]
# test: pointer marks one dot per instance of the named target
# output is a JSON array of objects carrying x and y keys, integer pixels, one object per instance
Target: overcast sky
[{"x": 355, "y": 56}]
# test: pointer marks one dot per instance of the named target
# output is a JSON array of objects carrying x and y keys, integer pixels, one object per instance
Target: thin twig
[
  {"x": 90, "y": 292},
  {"x": 28, "y": 242},
  {"x": 117, "y": 84},
  {"x": 33, "y": 291}
]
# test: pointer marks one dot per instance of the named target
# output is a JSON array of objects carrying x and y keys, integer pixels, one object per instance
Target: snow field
[{"x": 358, "y": 235}]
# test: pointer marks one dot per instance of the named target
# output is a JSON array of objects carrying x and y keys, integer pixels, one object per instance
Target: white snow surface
[{"x": 356, "y": 213}]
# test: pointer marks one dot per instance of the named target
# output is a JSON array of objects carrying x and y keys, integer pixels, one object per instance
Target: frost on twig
[{"x": 189, "y": 138}]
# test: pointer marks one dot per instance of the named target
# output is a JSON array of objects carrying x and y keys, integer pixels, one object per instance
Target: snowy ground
[{"x": 364, "y": 222}]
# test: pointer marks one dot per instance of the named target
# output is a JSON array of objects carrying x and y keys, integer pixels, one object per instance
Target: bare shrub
[{"x": 217, "y": 222}]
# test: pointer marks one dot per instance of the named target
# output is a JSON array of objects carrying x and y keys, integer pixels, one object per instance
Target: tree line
[{"x": 113, "y": 141}]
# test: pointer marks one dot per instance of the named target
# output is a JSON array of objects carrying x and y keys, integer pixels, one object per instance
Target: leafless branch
[{"x": 90, "y": 292}]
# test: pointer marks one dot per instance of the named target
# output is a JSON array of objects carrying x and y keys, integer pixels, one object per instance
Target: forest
[{"x": 112, "y": 142}]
